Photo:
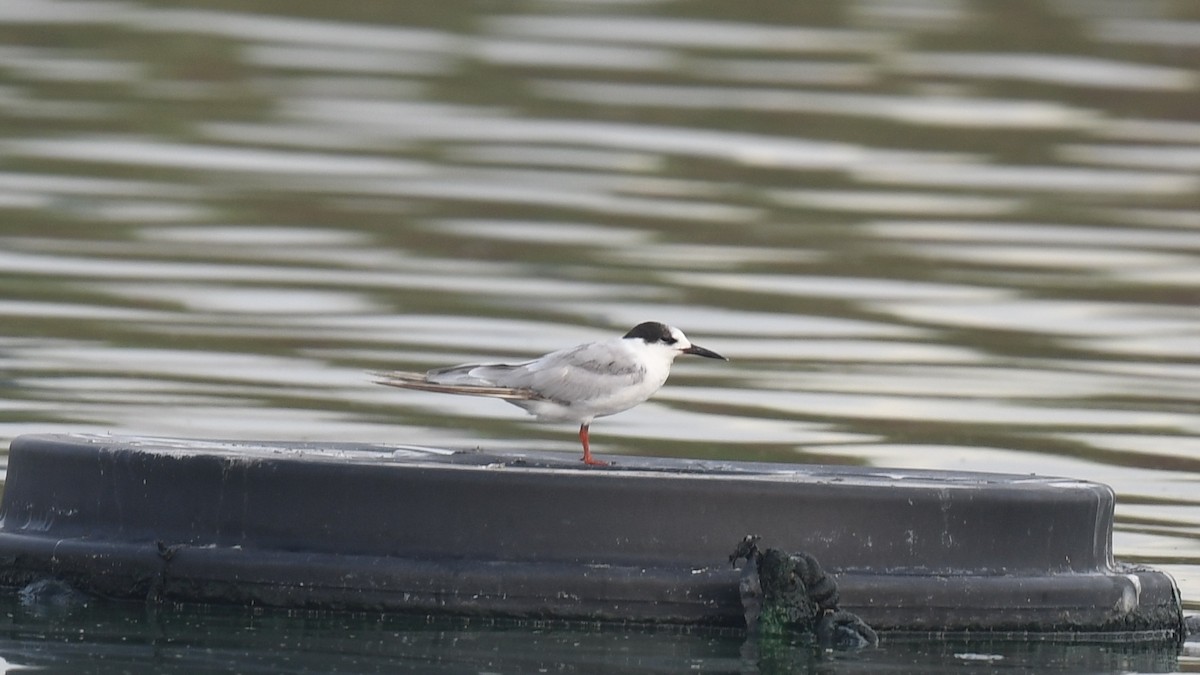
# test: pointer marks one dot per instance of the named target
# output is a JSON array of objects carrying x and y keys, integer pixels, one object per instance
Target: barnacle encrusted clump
[{"x": 790, "y": 594}]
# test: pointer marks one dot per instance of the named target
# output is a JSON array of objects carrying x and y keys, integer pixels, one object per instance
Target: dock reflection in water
[
  {"x": 132, "y": 638},
  {"x": 928, "y": 235}
]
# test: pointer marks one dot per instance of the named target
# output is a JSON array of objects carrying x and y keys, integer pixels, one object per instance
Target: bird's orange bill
[{"x": 417, "y": 381}]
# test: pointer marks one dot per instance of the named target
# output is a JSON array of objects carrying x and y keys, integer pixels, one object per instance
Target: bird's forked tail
[{"x": 421, "y": 382}]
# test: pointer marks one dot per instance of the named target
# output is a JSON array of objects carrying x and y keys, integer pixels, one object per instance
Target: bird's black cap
[{"x": 652, "y": 331}]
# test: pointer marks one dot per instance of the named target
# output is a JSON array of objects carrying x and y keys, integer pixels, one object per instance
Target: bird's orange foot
[{"x": 587, "y": 448}]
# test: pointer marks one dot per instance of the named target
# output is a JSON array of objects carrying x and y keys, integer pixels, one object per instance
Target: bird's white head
[{"x": 670, "y": 340}]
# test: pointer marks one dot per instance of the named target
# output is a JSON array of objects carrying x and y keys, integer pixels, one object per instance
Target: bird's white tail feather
[
  {"x": 474, "y": 374},
  {"x": 423, "y": 382}
]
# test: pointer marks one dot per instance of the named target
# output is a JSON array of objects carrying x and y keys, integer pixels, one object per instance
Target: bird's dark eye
[{"x": 666, "y": 338}]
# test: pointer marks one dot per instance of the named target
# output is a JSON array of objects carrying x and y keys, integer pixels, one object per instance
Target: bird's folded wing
[{"x": 419, "y": 381}]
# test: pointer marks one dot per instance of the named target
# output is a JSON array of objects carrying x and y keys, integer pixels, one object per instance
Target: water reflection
[
  {"x": 923, "y": 241},
  {"x": 144, "y": 153},
  {"x": 1056, "y": 69},
  {"x": 700, "y": 34},
  {"x": 104, "y": 637}
]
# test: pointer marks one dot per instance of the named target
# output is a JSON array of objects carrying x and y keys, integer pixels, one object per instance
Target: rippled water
[{"x": 928, "y": 233}]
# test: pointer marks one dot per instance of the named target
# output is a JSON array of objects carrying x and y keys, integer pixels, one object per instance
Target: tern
[{"x": 577, "y": 384}]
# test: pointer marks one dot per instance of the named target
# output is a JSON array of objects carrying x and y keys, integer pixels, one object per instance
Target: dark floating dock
[{"x": 537, "y": 535}]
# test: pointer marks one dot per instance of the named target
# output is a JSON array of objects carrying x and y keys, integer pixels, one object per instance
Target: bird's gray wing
[{"x": 582, "y": 373}]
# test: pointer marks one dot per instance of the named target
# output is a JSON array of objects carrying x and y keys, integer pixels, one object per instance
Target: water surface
[{"x": 927, "y": 233}]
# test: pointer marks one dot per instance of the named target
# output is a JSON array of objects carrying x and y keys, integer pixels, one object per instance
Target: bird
[{"x": 576, "y": 384}]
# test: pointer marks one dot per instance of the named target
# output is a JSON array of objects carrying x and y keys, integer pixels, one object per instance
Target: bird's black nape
[{"x": 651, "y": 332}]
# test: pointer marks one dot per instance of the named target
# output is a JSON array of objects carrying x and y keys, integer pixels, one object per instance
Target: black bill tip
[{"x": 706, "y": 353}]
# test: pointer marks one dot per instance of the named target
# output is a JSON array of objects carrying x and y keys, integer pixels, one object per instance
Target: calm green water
[
  {"x": 112, "y": 638},
  {"x": 928, "y": 233}
]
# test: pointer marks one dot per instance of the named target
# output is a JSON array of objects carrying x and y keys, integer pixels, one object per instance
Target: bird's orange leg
[{"x": 587, "y": 451}]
